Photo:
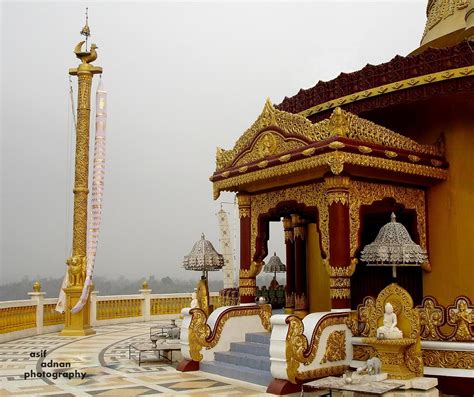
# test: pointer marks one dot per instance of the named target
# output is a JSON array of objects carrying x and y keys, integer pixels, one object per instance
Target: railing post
[
  {"x": 146, "y": 305},
  {"x": 38, "y": 297},
  {"x": 93, "y": 307}
]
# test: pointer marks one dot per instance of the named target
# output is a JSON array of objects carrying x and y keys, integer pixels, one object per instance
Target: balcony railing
[{"x": 22, "y": 318}]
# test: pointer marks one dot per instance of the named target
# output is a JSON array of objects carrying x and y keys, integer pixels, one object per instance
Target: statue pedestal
[
  {"x": 392, "y": 355},
  {"x": 77, "y": 324}
]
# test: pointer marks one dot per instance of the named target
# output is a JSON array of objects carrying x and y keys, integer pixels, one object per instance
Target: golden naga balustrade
[
  {"x": 301, "y": 351},
  {"x": 200, "y": 335}
]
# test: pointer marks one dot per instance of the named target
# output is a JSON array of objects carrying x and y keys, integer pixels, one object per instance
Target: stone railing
[{"x": 22, "y": 318}]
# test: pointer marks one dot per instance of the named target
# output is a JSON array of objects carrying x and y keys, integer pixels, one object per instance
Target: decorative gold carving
[
  {"x": 448, "y": 359},
  {"x": 461, "y": 316},
  {"x": 243, "y": 169},
  {"x": 340, "y": 293},
  {"x": 362, "y": 352},
  {"x": 285, "y": 158},
  {"x": 340, "y": 271},
  {"x": 365, "y": 193},
  {"x": 300, "y": 129},
  {"x": 337, "y": 182},
  {"x": 335, "y": 348},
  {"x": 308, "y": 152},
  {"x": 200, "y": 334},
  {"x": 225, "y": 174},
  {"x": 335, "y": 160},
  {"x": 336, "y": 370},
  {"x": 336, "y": 145},
  {"x": 253, "y": 271},
  {"x": 365, "y": 149},
  {"x": 244, "y": 213},
  {"x": 301, "y": 302},
  {"x": 338, "y": 123},
  {"x": 247, "y": 291},
  {"x": 145, "y": 284},
  {"x": 268, "y": 144},
  {"x": 439, "y": 10},
  {"x": 436, "y": 163},
  {"x": 431, "y": 318},
  {"x": 366, "y": 312},
  {"x": 413, "y": 158},
  {"x": 336, "y": 163},
  {"x": 340, "y": 282},
  {"x": 310, "y": 195},
  {"x": 387, "y": 88},
  {"x": 289, "y": 235},
  {"x": 248, "y": 282},
  {"x": 262, "y": 164},
  {"x": 298, "y": 350},
  {"x": 243, "y": 200},
  {"x": 338, "y": 197},
  {"x": 390, "y": 154}
]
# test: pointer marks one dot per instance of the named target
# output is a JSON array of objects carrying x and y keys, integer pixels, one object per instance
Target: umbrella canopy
[
  {"x": 203, "y": 257},
  {"x": 393, "y": 246},
  {"x": 274, "y": 265}
]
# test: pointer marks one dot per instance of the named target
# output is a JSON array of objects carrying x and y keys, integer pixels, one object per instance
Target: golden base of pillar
[
  {"x": 392, "y": 354},
  {"x": 289, "y": 310},
  {"x": 77, "y": 324},
  {"x": 300, "y": 313}
]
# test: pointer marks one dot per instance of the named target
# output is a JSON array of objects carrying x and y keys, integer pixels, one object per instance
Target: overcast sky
[{"x": 182, "y": 78}]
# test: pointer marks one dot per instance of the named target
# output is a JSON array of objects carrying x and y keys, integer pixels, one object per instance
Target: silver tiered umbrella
[
  {"x": 394, "y": 247},
  {"x": 203, "y": 257},
  {"x": 274, "y": 265}
]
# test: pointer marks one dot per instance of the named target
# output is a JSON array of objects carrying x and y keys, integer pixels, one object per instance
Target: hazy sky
[{"x": 182, "y": 78}]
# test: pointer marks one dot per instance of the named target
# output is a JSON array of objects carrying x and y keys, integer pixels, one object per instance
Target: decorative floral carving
[
  {"x": 431, "y": 318},
  {"x": 363, "y": 352},
  {"x": 448, "y": 359},
  {"x": 335, "y": 347}
]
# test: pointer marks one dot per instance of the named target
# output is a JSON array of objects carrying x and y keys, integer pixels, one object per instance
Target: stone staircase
[{"x": 248, "y": 361}]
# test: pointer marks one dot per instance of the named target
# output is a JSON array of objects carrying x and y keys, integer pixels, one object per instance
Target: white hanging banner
[{"x": 97, "y": 192}]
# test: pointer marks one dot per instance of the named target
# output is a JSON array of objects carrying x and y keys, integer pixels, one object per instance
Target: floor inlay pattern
[{"x": 98, "y": 365}]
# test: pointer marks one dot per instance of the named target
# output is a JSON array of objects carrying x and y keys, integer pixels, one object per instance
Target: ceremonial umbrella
[
  {"x": 394, "y": 247},
  {"x": 274, "y": 266}
]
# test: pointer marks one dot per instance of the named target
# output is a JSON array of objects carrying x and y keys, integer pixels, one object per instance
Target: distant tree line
[{"x": 106, "y": 286}]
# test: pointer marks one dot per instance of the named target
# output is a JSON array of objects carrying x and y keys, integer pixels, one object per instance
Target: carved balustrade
[
  {"x": 201, "y": 336},
  {"x": 317, "y": 346}
]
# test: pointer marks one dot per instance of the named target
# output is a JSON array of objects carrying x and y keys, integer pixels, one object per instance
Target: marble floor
[{"x": 99, "y": 366}]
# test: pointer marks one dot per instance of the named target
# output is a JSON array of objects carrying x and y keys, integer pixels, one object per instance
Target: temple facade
[{"x": 332, "y": 163}]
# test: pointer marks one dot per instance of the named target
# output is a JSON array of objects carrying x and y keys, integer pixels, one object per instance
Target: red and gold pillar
[
  {"x": 247, "y": 282},
  {"x": 290, "y": 266},
  {"x": 299, "y": 233},
  {"x": 341, "y": 267}
]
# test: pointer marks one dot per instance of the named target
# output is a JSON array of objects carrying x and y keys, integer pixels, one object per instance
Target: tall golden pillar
[{"x": 78, "y": 324}]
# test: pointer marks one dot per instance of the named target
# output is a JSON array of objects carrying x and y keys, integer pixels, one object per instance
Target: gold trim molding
[
  {"x": 335, "y": 161},
  {"x": 390, "y": 87},
  {"x": 336, "y": 347}
]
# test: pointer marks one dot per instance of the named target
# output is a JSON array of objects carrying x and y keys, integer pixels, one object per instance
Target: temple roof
[{"x": 434, "y": 72}]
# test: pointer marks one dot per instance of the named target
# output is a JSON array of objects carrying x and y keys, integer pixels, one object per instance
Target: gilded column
[
  {"x": 247, "y": 282},
  {"x": 299, "y": 233},
  {"x": 78, "y": 324},
  {"x": 340, "y": 266},
  {"x": 290, "y": 266}
]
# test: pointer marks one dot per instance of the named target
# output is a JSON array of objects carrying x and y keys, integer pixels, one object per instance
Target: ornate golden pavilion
[{"x": 334, "y": 161}]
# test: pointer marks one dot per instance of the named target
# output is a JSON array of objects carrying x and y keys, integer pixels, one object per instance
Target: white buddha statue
[
  {"x": 194, "y": 301},
  {"x": 389, "y": 328}
]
